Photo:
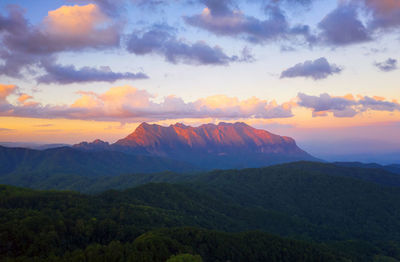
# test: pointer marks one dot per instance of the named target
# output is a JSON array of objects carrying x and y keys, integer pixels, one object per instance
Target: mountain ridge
[
  {"x": 224, "y": 133},
  {"x": 225, "y": 145}
]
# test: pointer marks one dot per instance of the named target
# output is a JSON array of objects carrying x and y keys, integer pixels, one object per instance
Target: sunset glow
[{"x": 73, "y": 71}]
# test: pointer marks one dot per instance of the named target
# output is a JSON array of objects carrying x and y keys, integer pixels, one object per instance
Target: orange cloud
[
  {"x": 122, "y": 101},
  {"x": 74, "y": 20},
  {"x": 349, "y": 97},
  {"x": 86, "y": 101},
  {"x": 6, "y": 90},
  {"x": 24, "y": 97},
  {"x": 254, "y": 107},
  {"x": 379, "y": 98}
]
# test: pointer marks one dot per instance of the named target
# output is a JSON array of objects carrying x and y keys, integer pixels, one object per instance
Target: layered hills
[{"x": 66, "y": 160}]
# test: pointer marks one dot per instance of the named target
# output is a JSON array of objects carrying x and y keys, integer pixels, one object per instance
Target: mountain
[
  {"x": 393, "y": 168},
  {"x": 39, "y": 164},
  {"x": 96, "y": 145},
  {"x": 208, "y": 146},
  {"x": 36, "y": 146}
]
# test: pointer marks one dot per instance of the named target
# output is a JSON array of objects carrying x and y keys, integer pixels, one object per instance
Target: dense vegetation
[
  {"x": 91, "y": 183},
  {"x": 69, "y": 161},
  {"x": 68, "y": 226},
  {"x": 335, "y": 213}
]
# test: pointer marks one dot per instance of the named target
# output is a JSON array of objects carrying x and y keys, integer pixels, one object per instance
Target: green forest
[{"x": 300, "y": 211}]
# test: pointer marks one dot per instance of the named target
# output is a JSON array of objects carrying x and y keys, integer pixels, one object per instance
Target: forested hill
[
  {"x": 88, "y": 183},
  {"x": 125, "y": 226},
  {"x": 314, "y": 211},
  {"x": 66, "y": 160}
]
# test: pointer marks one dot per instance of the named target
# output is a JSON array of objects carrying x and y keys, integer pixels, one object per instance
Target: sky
[{"x": 324, "y": 72}]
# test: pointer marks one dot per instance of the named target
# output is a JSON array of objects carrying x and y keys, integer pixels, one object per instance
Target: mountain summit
[
  {"x": 224, "y": 145},
  {"x": 208, "y": 138}
]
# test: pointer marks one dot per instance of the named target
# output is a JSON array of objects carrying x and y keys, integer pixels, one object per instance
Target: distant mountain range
[
  {"x": 208, "y": 146},
  {"x": 393, "y": 168},
  {"x": 66, "y": 160},
  {"x": 29, "y": 145}
]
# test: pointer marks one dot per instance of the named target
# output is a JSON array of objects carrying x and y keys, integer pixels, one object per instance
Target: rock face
[
  {"x": 210, "y": 146},
  {"x": 209, "y": 138}
]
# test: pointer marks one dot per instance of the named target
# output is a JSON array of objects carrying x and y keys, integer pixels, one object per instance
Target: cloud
[
  {"x": 219, "y": 7},
  {"x": 385, "y": 13},
  {"x": 222, "y": 106},
  {"x": 129, "y": 104},
  {"x": 152, "y": 3},
  {"x": 223, "y": 18},
  {"x": 388, "y": 65},
  {"x": 116, "y": 7},
  {"x": 317, "y": 69},
  {"x": 60, "y": 74},
  {"x": 343, "y": 27},
  {"x": 320, "y": 105},
  {"x": 80, "y": 26},
  {"x": 68, "y": 28},
  {"x": 64, "y": 29},
  {"x": 6, "y": 129},
  {"x": 302, "y": 2},
  {"x": 377, "y": 104},
  {"x": 44, "y": 125},
  {"x": 6, "y": 90},
  {"x": 110, "y": 7},
  {"x": 24, "y": 98},
  {"x": 346, "y": 106},
  {"x": 161, "y": 40}
]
